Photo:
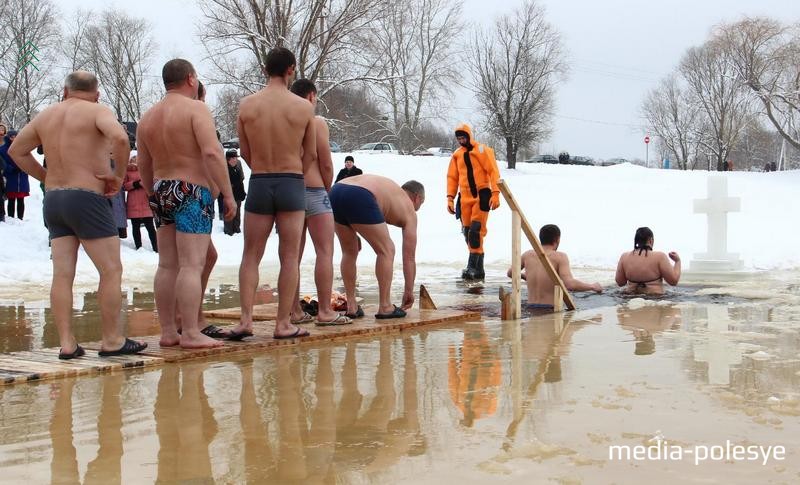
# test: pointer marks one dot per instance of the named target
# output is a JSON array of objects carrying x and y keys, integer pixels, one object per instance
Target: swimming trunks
[
  {"x": 317, "y": 201},
  {"x": 355, "y": 205},
  {"x": 189, "y": 206},
  {"x": 78, "y": 212},
  {"x": 536, "y": 309},
  {"x": 270, "y": 193}
]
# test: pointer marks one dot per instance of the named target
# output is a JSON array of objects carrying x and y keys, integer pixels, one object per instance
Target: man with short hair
[
  {"x": 541, "y": 292},
  {"x": 77, "y": 134},
  {"x": 364, "y": 205},
  {"x": 349, "y": 170},
  {"x": 277, "y": 140},
  {"x": 319, "y": 219},
  {"x": 178, "y": 150}
]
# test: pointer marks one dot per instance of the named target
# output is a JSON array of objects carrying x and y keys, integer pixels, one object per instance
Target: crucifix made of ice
[{"x": 716, "y": 207}]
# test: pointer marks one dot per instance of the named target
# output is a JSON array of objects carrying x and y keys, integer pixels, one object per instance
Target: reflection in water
[
  {"x": 647, "y": 321},
  {"x": 474, "y": 373}
]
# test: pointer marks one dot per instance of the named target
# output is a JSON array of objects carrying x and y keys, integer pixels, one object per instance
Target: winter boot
[
  {"x": 477, "y": 272},
  {"x": 466, "y": 272}
]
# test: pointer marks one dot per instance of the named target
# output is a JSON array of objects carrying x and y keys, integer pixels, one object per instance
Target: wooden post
[
  {"x": 425, "y": 300},
  {"x": 505, "y": 305},
  {"x": 558, "y": 299},
  {"x": 516, "y": 266},
  {"x": 537, "y": 246}
]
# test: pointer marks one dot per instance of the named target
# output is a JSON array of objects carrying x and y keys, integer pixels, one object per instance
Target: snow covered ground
[{"x": 597, "y": 208}]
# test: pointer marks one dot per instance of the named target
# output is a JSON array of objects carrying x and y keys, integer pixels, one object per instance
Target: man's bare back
[
  {"x": 77, "y": 136},
  {"x": 540, "y": 285},
  {"x": 397, "y": 208},
  {"x": 276, "y": 131}
]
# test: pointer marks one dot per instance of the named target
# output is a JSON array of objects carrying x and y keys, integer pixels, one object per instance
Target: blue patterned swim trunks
[{"x": 189, "y": 206}]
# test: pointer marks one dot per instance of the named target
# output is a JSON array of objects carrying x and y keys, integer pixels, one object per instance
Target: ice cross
[{"x": 716, "y": 207}]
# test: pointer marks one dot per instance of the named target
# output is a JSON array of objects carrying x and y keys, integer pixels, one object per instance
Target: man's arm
[
  {"x": 324, "y": 153},
  {"x": 620, "y": 277},
  {"x": 670, "y": 273},
  {"x": 572, "y": 283},
  {"x": 206, "y": 135},
  {"x": 145, "y": 161},
  {"x": 309, "y": 139},
  {"x": 120, "y": 145},
  {"x": 244, "y": 143},
  {"x": 20, "y": 151},
  {"x": 340, "y": 175},
  {"x": 409, "y": 260}
]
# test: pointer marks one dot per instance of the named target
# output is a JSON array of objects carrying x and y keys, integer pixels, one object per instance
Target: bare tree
[
  {"x": 27, "y": 27},
  {"x": 73, "y": 41},
  {"x": 118, "y": 48},
  {"x": 413, "y": 44},
  {"x": 226, "y": 110},
  {"x": 322, "y": 34},
  {"x": 516, "y": 67},
  {"x": 672, "y": 115},
  {"x": 725, "y": 105},
  {"x": 765, "y": 56}
]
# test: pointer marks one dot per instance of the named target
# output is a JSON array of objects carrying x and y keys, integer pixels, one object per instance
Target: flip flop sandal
[
  {"x": 306, "y": 318},
  {"x": 358, "y": 314},
  {"x": 128, "y": 348},
  {"x": 396, "y": 313},
  {"x": 300, "y": 332},
  {"x": 214, "y": 331},
  {"x": 339, "y": 320},
  {"x": 235, "y": 336},
  {"x": 79, "y": 352}
]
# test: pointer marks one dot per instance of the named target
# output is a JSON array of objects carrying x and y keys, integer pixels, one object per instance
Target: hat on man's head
[
  {"x": 349, "y": 158},
  {"x": 231, "y": 154}
]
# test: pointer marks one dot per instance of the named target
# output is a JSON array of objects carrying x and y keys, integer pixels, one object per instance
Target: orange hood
[{"x": 466, "y": 128}]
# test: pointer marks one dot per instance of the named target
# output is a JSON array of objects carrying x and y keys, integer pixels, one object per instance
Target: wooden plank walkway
[{"x": 37, "y": 365}]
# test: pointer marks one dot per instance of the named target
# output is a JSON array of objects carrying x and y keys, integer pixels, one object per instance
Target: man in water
[
  {"x": 364, "y": 205},
  {"x": 77, "y": 134},
  {"x": 277, "y": 139},
  {"x": 177, "y": 147},
  {"x": 319, "y": 219},
  {"x": 643, "y": 271},
  {"x": 540, "y": 286}
]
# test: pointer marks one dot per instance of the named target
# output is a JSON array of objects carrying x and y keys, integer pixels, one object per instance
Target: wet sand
[{"x": 536, "y": 401}]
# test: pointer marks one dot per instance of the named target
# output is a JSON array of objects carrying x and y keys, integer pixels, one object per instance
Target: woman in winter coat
[
  {"x": 138, "y": 206},
  {"x": 17, "y": 184}
]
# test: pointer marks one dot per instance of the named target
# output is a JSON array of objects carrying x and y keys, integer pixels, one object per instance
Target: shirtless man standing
[
  {"x": 643, "y": 270},
  {"x": 540, "y": 286},
  {"x": 178, "y": 149},
  {"x": 278, "y": 142},
  {"x": 77, "y": 135},
  {"x": 364, "y": 205},
  {"x": 319, "y": 219}
]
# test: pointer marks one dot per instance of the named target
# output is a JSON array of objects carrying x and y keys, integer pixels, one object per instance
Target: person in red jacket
[
  {"x": 473, "y": 172},
  {"x": 139, "y": 211}
]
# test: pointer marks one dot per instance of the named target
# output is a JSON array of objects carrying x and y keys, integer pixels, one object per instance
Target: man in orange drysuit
[{"x": 473, "y": 171}]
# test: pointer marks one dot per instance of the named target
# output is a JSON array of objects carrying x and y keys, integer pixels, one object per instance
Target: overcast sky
[{"x": 618, "y": 50}]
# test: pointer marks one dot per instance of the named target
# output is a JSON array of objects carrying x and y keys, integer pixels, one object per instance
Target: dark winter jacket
[
  {"x": 16, "y": 179},
  {"x": 344, "y": 173},
  {"x": 236, "y": 175}
]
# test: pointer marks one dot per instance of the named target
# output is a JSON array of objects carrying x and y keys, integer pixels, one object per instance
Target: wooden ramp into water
[{"x": 36, "y": 365}]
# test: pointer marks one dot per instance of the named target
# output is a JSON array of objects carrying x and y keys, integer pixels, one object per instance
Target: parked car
[
  {"x": 581, "y": 161},
  {"x": 440, "y": 151},
  {"x": 232, "y": 143},
  {"x": 380, "y": 147},
  {"x": 335, "y": 147},
  {"x": 422, "y": 153},
  {"x": 542, "y": 159},
  {"x": 613, "y": 161}
]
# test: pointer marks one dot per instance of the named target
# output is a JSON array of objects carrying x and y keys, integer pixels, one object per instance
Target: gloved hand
[
  {"x": 137, "y": 184},
  {"x": 451, "y": 205},
  {"x": 494, "y": 202}
]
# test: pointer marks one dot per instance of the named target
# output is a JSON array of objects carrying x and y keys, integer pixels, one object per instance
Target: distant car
[
  {"x": 542, "y": 159},
  {"x": 378, "y": 148},
  {"x": 440, "y": 151},
  {"x": 232, "y": 143},
  {"x": 422, "y": 153},
  {"x": 581, "y": 161},
  {"x": 335, "y": 147},
  {"x": 613, "y": 161}
]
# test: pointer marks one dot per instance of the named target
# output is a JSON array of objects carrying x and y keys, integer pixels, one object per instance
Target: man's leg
[
  {"x": 211, "y": 260},
  {"x": 11, "y": 208},
  {"x": 136, "y": 228},
  {"x": 297, "y": 312},
  {"x": 104, "y": 253},
  {"x": 164, "y": 285},
  {"x": 320, "y": 227},
  {"x": 256, "y": 231},
  {"x": 348, "y": 240},
  {"x": 291, "y": 229},
  {"x": 21, "y": 208},
  {"x": 151, "y": 232},
  {"x": 192, "y": 252},
  {"x": 65, "y": 255},
  {"x": 377, "y": 235}
]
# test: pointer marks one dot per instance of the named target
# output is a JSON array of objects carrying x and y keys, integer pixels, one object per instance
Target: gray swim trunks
[
  {"x": 317, "y": 201},
  {"x": 270, "y": 193},
  {"x": 78, "y": 212}
]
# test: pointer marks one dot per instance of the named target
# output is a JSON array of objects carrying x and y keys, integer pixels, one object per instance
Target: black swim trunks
[
  {"x": 78, "y": 212},
  {"x": 355, "y": 205},
  {"x": 270, "y": 193}
]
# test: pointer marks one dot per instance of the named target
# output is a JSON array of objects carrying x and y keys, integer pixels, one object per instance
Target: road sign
[{"x": 647, "y": 139}]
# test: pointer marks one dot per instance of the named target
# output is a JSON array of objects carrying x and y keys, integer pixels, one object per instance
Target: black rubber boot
[
  {"x": 477, "y": 272},
  {"x": 470, "y": 269}
]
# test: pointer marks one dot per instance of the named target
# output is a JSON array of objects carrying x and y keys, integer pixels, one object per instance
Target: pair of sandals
[
  {"x": 396, "y": 313},
  {"x": 340, "y": 319},
  {"x": 130, "y": 347}
]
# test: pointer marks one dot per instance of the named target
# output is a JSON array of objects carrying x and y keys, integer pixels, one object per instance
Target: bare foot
[
  {"x": 199, "y": 341},
  {"x": 242, "y": 327},
  {"x": 169, "y": 342},
  {"x": 327, "y": 316}
]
